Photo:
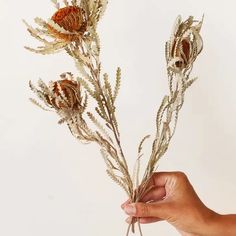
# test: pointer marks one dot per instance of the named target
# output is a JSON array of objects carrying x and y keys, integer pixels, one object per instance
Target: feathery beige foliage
[{"x": 73, "y": 28}]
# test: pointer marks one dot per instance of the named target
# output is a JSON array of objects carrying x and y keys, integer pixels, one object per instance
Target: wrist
[
  {"x": 208, "y": 223},
  {"x": 218, "y": 225}
]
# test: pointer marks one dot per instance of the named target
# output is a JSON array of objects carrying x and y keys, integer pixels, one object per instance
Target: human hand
[{"x": 173, "y": 199}]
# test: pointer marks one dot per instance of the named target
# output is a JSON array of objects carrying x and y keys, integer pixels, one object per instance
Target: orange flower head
[
  {"x": 182, "y": 50},
  {"x": 66, "y": 94},
  {"x": 72, "y": 19}
]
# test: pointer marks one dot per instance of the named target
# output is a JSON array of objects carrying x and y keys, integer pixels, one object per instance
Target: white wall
[{"x": 50, "y": 184}]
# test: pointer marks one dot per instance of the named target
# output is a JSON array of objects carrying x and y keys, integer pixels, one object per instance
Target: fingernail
[
  {"x": 128, "y": 220},
  {"x": 130, "y": 209}
]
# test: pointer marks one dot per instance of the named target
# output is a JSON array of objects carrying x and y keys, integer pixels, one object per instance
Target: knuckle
[{"x": 181, "y": 176}]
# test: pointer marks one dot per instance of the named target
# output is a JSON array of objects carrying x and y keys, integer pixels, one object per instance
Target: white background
[{"x": 50, "y": 184}]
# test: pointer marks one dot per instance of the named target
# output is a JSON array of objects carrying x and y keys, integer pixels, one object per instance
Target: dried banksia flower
[
  {"x": 73, "y": 23},
  {"x": 185, "y": 44},
  {"x": 63, "y": 95},
  {"x": 66, "y": 93},
  {"x": 73, "y": 20}
]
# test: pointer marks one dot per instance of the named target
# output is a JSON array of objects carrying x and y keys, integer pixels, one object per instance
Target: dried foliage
[{"x": 73, "y": 28}]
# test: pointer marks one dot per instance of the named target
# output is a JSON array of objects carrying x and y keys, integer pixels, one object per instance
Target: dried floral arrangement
[{"x": 73, "y": 28}]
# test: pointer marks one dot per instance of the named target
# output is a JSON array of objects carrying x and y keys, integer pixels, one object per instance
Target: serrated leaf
[
  {"x": 189, "y": 83},
  {"x": 38, "y": 104},
  {"x": 108, "y": 89},
  {"x": 141, "y": 143},
  {"x": 86, "y": 86},
  {"x": 108, "y": 162},
  {"x": 117, "y": 85},
  {"x": 99, "y": 126},
  {"x": 117, "y": 180},
  {"x": 160, "y": 111}
]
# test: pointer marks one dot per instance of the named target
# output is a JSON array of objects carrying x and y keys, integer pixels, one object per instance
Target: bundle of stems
[{"x": 73, "y": 28}]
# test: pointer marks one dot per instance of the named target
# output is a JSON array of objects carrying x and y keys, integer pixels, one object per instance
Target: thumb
[{"x": 140, "y": 210}]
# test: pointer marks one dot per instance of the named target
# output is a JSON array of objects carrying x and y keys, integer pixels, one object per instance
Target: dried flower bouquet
[{"x": 73, "y": 28}]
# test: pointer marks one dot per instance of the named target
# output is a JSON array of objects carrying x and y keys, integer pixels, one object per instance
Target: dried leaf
[
  {"x": 117, "y": 180},
  {"x": 141, "y": 143},
  {"x": 118, "y": 84},
  {"x": 99, "y": 126},
  {"x": 108, "y": 89},
  {"x": 86, "y": 86},
  {"x": 38, "y": 104}
]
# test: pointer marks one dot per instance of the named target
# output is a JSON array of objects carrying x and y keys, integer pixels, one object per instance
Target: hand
[{"x": 173, "y": 199}]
